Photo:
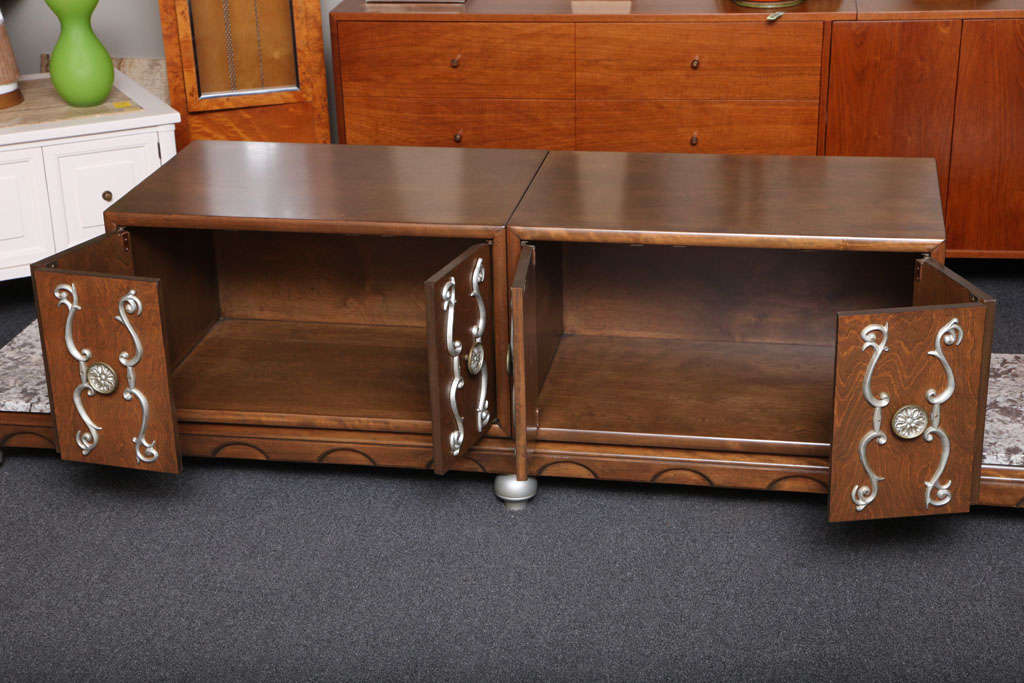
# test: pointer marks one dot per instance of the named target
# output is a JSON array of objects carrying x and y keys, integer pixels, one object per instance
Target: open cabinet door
[
  {"x": 525, "y": 379},
  {"x": 908, "y": 385},
  {"x": 106, "y": 360},
  {"x": 460, "y": 351}
]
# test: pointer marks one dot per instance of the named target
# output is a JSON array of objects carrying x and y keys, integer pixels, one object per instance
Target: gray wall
[{"x": 128, "y": 28}]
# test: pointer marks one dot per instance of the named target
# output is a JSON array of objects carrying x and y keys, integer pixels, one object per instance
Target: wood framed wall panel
[{"x": 298, "y": 115}]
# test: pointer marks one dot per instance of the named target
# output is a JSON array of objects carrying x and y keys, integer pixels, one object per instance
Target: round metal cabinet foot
[{"x": 514, "y": 492}]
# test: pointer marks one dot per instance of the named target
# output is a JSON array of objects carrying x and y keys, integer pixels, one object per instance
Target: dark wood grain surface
[
  {"x": 905, "y": 373},
  {"x": 715, "y": 294},
  {"x": 938, "y": 285},
  {"x": 456, "y": 278},
  {"x": 340, "y": 188},
  {"x": 525, "y": 363},
  {"x": 94, "y": 328},
  {"x": 754, "y": 201},
  {"x": 769, "y": 398},
  {"x": 893, "y": 85},
  {"x": 307, "y": 375},
  {"x": 986, "y": 182}
]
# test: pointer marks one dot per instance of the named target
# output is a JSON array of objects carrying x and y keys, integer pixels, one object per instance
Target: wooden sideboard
[
  {"x": 942, "y": 79},
  {"x": 584, "y": 314}
]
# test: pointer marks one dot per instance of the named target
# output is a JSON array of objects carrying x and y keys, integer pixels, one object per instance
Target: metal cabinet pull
[
  {"x": 456, "y": 60},
  {"x": 694, "y": 140},
  {"x": 458, "y": 137},
  {"x": 695, "y": 64}
]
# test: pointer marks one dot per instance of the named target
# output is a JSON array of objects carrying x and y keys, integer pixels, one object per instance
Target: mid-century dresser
[
  {"x": 777, "y": 323},
  {"x": 906, "y": 78}
]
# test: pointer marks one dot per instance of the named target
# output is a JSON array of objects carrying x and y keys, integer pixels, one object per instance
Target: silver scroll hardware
[
  {"x": 950, "y": 334},
  {"x": 477, "y": 364},
  {"x": 67, "y": 296},
  {"x": 101, "y": 378},
  {"x": 454, "y": 348},
  {"x": 875, "y": 337},
  {"x": 127, "y": 305},
  {"x": 909, "y": 422}
]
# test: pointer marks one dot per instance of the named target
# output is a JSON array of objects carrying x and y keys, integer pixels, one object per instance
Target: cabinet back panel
[
  {"x": 724, "y": 294},
  {"x": 328, "y": 278},
  {"x": 183, "y": 260}
]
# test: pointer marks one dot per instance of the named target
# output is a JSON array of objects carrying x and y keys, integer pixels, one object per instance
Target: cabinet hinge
[
  {"x": 917, "y": 271},
  {"x": 159, "y": 152},
  {"x": 125, "y": 240}
]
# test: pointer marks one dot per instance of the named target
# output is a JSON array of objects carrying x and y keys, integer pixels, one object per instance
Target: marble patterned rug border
[{"x": 23, "y": 390}]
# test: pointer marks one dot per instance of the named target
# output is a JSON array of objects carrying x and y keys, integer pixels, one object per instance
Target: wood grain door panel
[
  {"x": 985, "y": 205},
  {"x": 106, "y": 360},
  {"x": 448, "y": 59},
  {"x": 460, "y": 352},
  {"x": 892, "y": 90},
  {"x": 509, "y": 124},
  {"x": 906, "y": 424},
  {"x": 708, "y": 127},
  {"x": 779, "y": 61}
]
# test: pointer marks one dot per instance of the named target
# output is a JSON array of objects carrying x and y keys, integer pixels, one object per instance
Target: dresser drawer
[
  {"x": 710, "y": 127},
  {"x": 515, "y": 124},
  {"x": 445, "y": 59},
  {"x": 699, "y": 61}
]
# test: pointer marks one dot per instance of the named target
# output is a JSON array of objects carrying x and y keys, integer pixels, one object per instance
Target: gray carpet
[{"x": 243, "y": 571}]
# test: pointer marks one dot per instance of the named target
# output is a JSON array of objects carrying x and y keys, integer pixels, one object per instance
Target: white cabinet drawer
[
  {"x": 25, "y": 233},
  {"x": 87, "y": 177}
]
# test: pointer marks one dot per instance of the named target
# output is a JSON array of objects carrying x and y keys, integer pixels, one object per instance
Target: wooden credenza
[
  {"x": 603, "y": 315},
  {"x": 874, "y": 78}
]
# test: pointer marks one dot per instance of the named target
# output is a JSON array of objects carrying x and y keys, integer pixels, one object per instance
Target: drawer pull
[
  {"x": 455, "y": 61},
  {"x": 773, "y": 17},
  {"x": 694, "y": 140},
  {"x": 695, "y": 64},
  {"x": 458, "y": 137},
  {"x": 107, "y": 195}
]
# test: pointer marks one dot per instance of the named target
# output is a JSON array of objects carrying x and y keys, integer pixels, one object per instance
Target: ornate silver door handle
[{"x": 454, "y": 349}]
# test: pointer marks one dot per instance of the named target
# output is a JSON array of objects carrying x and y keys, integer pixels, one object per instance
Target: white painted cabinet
[
  {"x": 84, "y": 178},
  {"x": 58, "y": 176},
  {"x": 23, "y": 209}
]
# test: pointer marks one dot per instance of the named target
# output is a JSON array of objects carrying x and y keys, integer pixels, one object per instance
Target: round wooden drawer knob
[
  {"x": 458, "y": 137},
  {"x": 455, "y": 61},
  {"x": 107, "y": 195},
  {"x": 694, "y": 140},
  {"x": 695, "y": 64}
]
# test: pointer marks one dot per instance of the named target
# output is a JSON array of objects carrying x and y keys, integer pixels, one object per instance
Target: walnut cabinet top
[{"x": 830, "y": 203}]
